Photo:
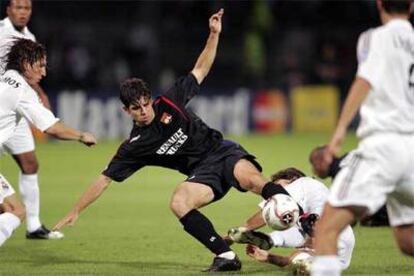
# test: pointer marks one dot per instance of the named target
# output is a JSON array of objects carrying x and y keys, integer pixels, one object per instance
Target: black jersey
[{"x": 176, "y": 138}]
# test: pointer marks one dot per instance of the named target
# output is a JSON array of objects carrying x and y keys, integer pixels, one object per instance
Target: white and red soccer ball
[{"x": 280, "y": 212}]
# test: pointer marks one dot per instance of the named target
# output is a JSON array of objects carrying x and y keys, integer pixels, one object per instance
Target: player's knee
[
  {"x": 19, "y": 211},
  {"x": 179, "y": 206},
  {"x": 254, "y": 183},
  {"x": 30, "y": 167}
]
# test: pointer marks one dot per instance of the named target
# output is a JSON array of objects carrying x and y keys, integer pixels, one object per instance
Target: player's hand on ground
[
  {"x": 215, "y": 21},
  {"x": 69, "y": 219},
  {"x": 88, "y": 139},
  {"x": 317, "y": 160},
  {"x": 257, "y": 253}
]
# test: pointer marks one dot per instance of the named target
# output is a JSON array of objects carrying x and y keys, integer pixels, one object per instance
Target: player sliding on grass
[
  {"x": 25, "y": 64},
  {"x": 381, "y": 169},
  {"x": 311, "y": 195},
  {"x": 166, "y": 134}
]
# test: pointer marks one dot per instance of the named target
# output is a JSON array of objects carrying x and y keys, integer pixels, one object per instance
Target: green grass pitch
[{"x": 131, "y": 231}]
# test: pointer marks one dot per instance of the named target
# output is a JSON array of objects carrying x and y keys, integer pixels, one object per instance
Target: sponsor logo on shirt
[
  {"x": 171, "y": 146},
  {"x": 10, "y": 81},
  {"x": 135, "y": 138},
  {"x": 166, "y": 118}
]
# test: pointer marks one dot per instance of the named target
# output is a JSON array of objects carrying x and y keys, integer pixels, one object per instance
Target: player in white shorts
[
  {"x": 311, "y": 195},
  {"x": 21, "y": 145},
  {"x": 25, "y": 63},
  {"x": 381, "y": 169}
]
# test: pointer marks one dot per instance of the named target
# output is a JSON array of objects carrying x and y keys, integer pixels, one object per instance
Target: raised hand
[{"x": 215, "y": 21}]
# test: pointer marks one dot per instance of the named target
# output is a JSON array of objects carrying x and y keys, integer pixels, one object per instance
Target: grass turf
[{"x": 131, "y": 231}]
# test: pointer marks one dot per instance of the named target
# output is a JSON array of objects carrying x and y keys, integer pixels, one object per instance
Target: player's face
[
  {"x": 34, "y": 73},
  {"x": 142, "y": 111},
  {"x": 19, "y": 12}
]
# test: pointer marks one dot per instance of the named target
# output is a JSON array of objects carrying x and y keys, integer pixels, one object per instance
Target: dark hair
[
  {"x": 396, "y": 6},
  {"x": 22, "y": 51},
  {"x": 132, "y": 90},
  {"x": 290, "y": 174}
]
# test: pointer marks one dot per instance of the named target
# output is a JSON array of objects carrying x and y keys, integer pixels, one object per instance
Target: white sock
[
  {"x": 326, "y": 266},
  {"x": 29, "y": 189},
  {"x": 229, "y": 255},
  {"x": 8, "y": 223}
]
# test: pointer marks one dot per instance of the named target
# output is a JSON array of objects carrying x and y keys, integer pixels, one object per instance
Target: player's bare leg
[
  {"x": 29, "y": 189},
  {"x": 404, "y": 234},
  {"x": 328, "y": 228},
  {"x": 185, "y": 201},
  {"x": 251, "y": 179}
]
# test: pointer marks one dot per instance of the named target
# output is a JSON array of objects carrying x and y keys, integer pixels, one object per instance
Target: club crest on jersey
[{"x": 166, "y": 118}]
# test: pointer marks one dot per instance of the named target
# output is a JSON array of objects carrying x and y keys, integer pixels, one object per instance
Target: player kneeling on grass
[
  {"x": 25, "y": 64},
  {"x": 166, "y": 134},
  {"x": 311, "y": 195}
]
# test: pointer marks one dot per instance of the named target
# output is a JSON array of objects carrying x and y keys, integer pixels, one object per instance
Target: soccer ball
[{"x": 280, "y": 212}]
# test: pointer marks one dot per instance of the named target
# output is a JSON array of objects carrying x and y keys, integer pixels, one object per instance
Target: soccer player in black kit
[{"x": 166, "y": 134}]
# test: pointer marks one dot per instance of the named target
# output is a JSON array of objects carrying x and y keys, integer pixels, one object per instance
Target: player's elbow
[
  {"x": 55, "y": 130},
  {"x": 199, "y": 73}
]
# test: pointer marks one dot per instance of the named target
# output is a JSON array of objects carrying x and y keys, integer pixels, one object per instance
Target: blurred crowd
[{"x": 265, "y": 44}]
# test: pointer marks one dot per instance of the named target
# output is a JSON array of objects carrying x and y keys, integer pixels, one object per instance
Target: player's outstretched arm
[
  {"x": 62, "y": 132},
  {"x": 207, "y": 56},
  {"x": 266, "y": 257},
  {"x": 357, "y": 93},
  {"x": 255, "y": 222},
  {"x": 90, "y": 195}
]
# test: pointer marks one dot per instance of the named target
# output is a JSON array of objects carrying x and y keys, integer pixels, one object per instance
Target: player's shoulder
[
  {"x": 13, "y": 79},
  {"x": 29, "y": 35}
]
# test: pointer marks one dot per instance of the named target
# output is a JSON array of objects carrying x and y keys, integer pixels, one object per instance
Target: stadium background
[
  {"x": 269, "y": 52},
  {"x": 282, "y": 70}
]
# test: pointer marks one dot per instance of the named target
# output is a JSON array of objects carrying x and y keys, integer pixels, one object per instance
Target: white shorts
[
  {"x": 380, "y": 170},
  {"x": 22, "y": 140},
  {"x": 5, "y": 189}
]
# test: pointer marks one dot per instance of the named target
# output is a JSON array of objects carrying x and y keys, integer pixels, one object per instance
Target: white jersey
[
  {"x": 312, "y": 195},
  {"x": 18, "y": 100},
  {"x": 309, "y": 193},
  {"x": 8, "y": 33},
  {"x": 386, "y": 61}
]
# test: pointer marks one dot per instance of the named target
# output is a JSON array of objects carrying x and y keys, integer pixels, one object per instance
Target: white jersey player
[
  {"x": 311, "y": 195},
  {"x": 21, "y": 145},
  {"x": 25, "y": 63},
  {"x": 381, "y": 169}
]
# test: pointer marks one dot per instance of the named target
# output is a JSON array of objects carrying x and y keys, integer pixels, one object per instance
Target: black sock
[
  {"x": 198, "y": 226},
  {"x": 270, "y": 189}
]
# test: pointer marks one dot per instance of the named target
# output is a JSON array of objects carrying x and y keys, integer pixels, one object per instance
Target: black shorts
[{"x": 216, "y": 171}]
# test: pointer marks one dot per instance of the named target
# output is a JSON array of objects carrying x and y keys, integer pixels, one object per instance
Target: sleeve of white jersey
[
  {"x": 371, "y": 56},
  {"x": 35, "y": 113}
]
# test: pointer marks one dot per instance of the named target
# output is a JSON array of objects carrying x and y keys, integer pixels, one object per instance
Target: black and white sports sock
[
  {"x": 270, "y": 189},
  {"x": 200, "y": 227}
]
